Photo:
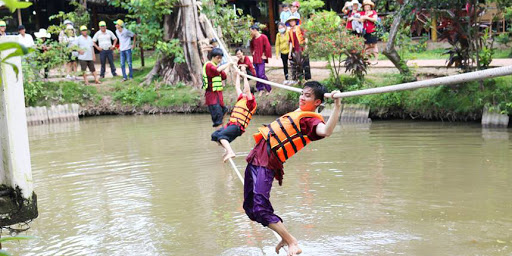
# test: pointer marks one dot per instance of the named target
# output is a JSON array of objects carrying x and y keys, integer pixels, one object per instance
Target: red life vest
[{"x": 284, "y": 136}]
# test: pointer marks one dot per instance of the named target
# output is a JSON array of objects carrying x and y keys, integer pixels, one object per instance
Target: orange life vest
[
  {"x": 284, "y": 136},
  {"x": 241, "y": 113},
  {"x": 300, "y": 35}
]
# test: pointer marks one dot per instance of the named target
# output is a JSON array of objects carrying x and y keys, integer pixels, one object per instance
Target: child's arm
[
  {"x": 247, "y": 89},
  {"x": 237, "y": 84},
  {"x": 223, "y": 67},
  {"x": 325, "y": 130}
]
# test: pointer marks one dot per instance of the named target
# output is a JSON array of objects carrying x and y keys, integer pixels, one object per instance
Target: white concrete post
[{"x": 15, "y": 167}]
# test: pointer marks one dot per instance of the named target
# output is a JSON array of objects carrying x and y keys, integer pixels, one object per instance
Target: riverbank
[{"x": 114, "y": 97}]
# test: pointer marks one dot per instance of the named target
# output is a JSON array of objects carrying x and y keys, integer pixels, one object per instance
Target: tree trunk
[
  {"x": 186, "y": 25},
  {"x": 390, "y": 51}
]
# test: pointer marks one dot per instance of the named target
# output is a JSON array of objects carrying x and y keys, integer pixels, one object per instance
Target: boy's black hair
[
  {"x": 255, "y": 26},
  {"x": 285, "y": 5},
  {"x": 216, "y": 52},
  {"x": 213, "y": 41},
  {"x": 281, "y": 24},
  {"x": 238, "y": 50},
  {"x": 318, "y": 89}
]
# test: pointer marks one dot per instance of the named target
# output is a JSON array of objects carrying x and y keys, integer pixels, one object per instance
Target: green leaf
[
  {"x": 15, "y": 238},
  {"x": 13, "y": 45},
  {"x": 14, "y": 67},
  {"x": 15, "y": 4}
]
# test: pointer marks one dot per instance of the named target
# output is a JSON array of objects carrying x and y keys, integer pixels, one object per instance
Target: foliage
[
  {"x": 146, "y": 18},
  {"x": 164, "y": 96},
  {"x": 235, "y": 26},
  {"x": 39, "y": 93},
  {"x": 171, "y": 48},
  {"x": 357, "y": 63},
  {"x": 80, "y": 17},
  {"x": 308, "y": 7},
  {"x": 12, "y": 5},
  {"x": 328, "y": 37}
]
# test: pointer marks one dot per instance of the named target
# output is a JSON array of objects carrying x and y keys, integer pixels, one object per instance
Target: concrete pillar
[{"x": 18, "y": 202}]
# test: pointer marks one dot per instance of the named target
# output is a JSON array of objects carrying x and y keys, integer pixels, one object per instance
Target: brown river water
[{"x": 156, "y": 185}]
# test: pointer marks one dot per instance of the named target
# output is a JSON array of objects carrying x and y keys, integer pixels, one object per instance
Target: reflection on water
[{"x": 155, "y": 185}]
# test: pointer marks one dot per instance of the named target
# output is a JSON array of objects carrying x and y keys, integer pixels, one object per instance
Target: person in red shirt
[
  {"x": 261, "y": 51},
  {"x": 213, "y": 75},
  {"x": 275, "y": 143},
  {"x": 355, "y": 5},
  {"x": 299, "y": 62},
  {"x": 369, "y": 17},
  {"x": 244, "y": 61},
  {"x": 242, "y": 113}
]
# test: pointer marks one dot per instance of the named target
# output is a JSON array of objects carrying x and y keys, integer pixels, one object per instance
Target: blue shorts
[{"x": 229, "y": 133}]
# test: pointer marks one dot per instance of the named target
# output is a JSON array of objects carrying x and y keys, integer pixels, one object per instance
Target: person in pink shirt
[
  {"x": 261, "y": 52},
  {"x": 369, "y": 18}
]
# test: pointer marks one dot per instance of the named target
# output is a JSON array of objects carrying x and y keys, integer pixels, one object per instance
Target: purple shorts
[{"x": 258, "y": 183}]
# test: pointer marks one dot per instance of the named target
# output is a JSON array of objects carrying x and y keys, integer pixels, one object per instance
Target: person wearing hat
[
  {"x": 67, "y": 37},
  {"x": 261, "y": 51},
  {"x": 24, "y": 38},
  {"x": 295, "y": 10},
  {"x": 283, "y": 48},
  {"x": 299, "y": 62},
  {"x": 125, "y": 47},
  {"x": 43, "y": 45},
  {"x": 369, "y": 18},
  {"x": 86, "y": 56},
  {"x": 3, "y": 27},
  {"x": 103, "y": 43},
  {"x": 351, "y": 10}
]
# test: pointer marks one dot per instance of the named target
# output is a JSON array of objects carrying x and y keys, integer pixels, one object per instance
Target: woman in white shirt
[{"x": 68, "y": 37}]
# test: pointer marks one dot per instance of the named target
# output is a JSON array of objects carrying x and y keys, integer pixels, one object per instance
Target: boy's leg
[
  {"x": 103, "y": 61},
  {"x": 123, "y": 60},
  {"x": 229, "y": 150},
  {"x": 129, "y": 59},
  {"x": 110, "y": 56},
  {"x": 288, "y": 239}
]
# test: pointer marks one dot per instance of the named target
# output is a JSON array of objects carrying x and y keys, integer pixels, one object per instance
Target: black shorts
[
  {"x": 87, "y": 63},
  {"x": 217, "y": 111},
  {"x": 228, "y": 133},
  {"x": 370, "y": 38}
]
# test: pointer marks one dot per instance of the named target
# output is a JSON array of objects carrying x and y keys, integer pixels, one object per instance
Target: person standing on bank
[
  {"x": 86, "y": 55},
  {"x": 299, "y": 62},
  {"x": 24, "y": 38},
  {"x": 283, "y": 48},
  {"x": 125, "y": 47},
  {"x": 369, "y": 18},
  {"x": 261, "y": 51},
  {"x": 68, "y": 37},
  {"x": 104, "y": 45}
]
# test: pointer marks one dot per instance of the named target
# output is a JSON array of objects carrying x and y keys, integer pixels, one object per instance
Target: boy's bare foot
[
  {"x": 268, "y": 93},
  {"x": 229, "y": 155},
  {"x": 294, "y": 249},
  {"x": 261, "y": 93},
  {"x": 280, "y": 245}
]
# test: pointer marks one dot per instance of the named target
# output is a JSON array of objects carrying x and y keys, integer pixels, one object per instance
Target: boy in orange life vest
[
  {"x": 213, "y": 75},
  {"x": 240, "y": 117},
  {"x": 275, "y": 143}
]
